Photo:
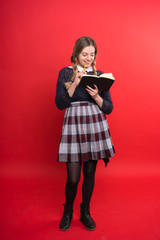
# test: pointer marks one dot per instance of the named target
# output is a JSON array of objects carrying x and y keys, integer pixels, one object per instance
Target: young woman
[{"x": 85, "y": 134}]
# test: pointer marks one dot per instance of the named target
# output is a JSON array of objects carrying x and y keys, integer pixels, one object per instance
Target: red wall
[{"x": 37, "y": 38}]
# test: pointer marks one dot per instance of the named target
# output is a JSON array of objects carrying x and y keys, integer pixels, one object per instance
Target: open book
[{"x": 103, "y": 82}]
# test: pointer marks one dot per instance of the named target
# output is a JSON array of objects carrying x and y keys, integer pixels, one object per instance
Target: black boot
[
  {"x": 85, "y": 218},
  {"x": 67, "y": 218}
]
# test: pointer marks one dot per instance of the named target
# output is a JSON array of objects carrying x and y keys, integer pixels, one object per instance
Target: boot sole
[
  {"x": 91, "y": 229},
  {"x": 66, "y": 229}
]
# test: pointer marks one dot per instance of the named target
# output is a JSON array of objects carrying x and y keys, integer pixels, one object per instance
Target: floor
[{"x": 124, "y": 206}]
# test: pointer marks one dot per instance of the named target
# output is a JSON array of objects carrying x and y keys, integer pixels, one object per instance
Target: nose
[{"x": 88, "y": 57}]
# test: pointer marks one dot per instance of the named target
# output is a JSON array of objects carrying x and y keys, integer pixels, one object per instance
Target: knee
[
  {"x": 73, "y": 182},
  {"x": 89, "y": 169},
  {"x": 89, "y": 174}
]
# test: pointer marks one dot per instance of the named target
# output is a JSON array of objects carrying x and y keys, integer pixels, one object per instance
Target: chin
[{"x": 87, "y": 65}]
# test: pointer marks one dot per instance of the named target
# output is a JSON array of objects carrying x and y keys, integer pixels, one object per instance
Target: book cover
[{"x": 103, "y": 82}]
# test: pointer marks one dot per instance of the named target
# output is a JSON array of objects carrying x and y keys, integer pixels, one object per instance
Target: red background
[{"x": 37, "y": 38}]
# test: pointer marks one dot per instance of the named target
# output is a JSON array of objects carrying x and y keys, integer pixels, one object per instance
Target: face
[{"x": 87, "y": 56}]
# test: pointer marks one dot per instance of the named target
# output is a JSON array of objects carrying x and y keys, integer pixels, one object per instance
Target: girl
[{"x": 85, "y": 134}]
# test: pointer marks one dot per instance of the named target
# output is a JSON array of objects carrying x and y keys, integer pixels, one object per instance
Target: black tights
[{"x": 73, "y": 177}]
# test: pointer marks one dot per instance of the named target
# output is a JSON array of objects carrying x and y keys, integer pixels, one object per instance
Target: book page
[
  {"x": 89, "y": 75},
  {"x": 107, "y": 75}
]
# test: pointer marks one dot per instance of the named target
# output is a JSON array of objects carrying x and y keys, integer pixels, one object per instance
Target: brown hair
[{"x": 78, "y": 47}]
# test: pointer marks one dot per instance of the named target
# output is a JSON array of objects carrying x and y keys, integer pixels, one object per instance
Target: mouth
[{"x": 87, "y": 63}]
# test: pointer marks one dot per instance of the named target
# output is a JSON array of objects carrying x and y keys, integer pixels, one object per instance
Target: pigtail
[
  {"x": 94, "y": 67},
  {"x": 75, "y": 70}
]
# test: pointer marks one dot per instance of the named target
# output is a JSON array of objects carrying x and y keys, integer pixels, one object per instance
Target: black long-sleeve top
[{"x": 63, "y": 99}]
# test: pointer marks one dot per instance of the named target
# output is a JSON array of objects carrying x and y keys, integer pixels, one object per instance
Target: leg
[
  {"x": 73, "y": 177},
  {"x": 89, "y": 169}
]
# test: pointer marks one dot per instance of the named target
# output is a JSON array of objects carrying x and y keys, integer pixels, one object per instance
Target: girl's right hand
[{"x": 78, "y": 78}]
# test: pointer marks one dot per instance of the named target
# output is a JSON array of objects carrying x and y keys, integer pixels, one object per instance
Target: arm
[
  {"x": 103, "y": 100},
  {"x": 107, "y": 105},
  {"x": 76, "y": 82},
  {"x": 62, "y": 99}
]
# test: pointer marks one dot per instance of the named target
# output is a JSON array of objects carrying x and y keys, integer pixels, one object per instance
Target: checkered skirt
[{"x": 85, "y": 134}]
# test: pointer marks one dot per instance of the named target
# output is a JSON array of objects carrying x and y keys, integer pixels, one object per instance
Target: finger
[
  {"x": 81, "y": 74},
  {"x": 92, "y": 89},
  {"x": 95, "y": 86},
  {"x": 90, "y": 92}
]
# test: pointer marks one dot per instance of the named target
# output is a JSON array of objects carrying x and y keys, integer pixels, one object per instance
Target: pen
[{"x": 84, "y": 68}]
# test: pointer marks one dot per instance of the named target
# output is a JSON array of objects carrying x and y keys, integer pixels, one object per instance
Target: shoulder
[
  {"x": 65, "y": 72},
  {"x": 99, "y": 72},
  {"x": 66, "y": 69}
]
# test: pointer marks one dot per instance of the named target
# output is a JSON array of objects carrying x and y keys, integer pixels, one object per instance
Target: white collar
[{"x": 80, "y": 69}]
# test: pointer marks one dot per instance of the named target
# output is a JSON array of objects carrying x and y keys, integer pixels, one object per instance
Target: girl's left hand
[{"x": 93, "y": 92}]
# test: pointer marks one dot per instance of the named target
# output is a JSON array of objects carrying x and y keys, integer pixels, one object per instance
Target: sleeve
[
  {"x": 62, "y": 99},
  {"x": 107, "y": 105}
]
